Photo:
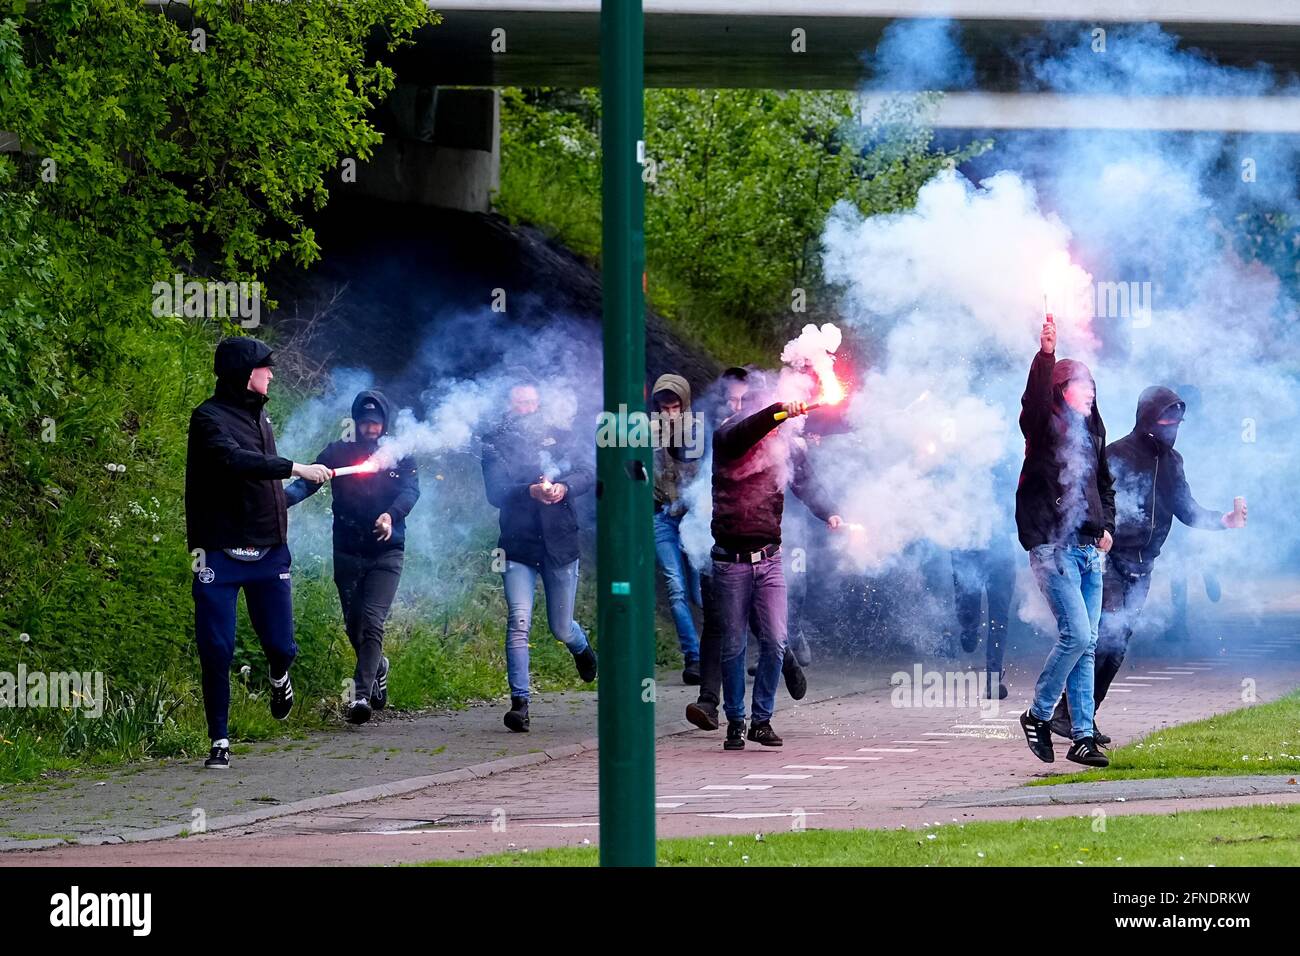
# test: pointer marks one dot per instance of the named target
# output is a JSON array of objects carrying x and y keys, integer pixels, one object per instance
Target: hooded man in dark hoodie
[
  {"x": 1065, "y": 516},
  {"x": 235, "y": 523},
  {"x": 1152, "y": 488},
  {"x": 370, "y": 512},
  {"x": 676, "y": 464}
]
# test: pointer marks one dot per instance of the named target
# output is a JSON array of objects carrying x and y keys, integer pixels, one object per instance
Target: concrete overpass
[
  {"x": 441, "y": 143},
  {"x": 747, "y": 43},
  {"x": 751, "y": 43}
]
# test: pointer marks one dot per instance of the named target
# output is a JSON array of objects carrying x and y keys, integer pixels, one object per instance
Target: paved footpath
[{"x": 851, "y": 759}]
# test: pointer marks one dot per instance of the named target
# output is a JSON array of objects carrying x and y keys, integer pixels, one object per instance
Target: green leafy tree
[
  {"x": 739, "y": 186},
  {"x": 145, "y": 141}
]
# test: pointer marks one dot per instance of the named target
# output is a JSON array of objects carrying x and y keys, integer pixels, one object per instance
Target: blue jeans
[
  {"x": 560, "y": 584},
  {"x": 682, "y": 580},
  {"x": 745, "y": 596},
  {"x": 1070, "y": 578}
]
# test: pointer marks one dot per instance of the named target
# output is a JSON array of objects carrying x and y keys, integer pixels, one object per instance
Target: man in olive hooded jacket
[{"x": 676, "y": 464}]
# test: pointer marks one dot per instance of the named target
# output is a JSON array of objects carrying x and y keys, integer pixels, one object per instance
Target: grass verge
[
  {"x": 1263, "y": 738},
  {"x": 1235, "y": 836}
]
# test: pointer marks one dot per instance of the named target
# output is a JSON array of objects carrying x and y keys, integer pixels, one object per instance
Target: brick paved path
[{"x": 853, "y": 761}]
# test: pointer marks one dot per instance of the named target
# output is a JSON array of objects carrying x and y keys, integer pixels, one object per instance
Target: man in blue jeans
[
  {"x": 1065, "y": 516},
  {"x": 676, "y": 464},
  {"x": 752, "y": 466},
  {"x": 532, "y": 471}
]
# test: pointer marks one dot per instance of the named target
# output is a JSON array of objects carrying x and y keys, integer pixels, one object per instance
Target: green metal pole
[{"x": 625, "y": 545}]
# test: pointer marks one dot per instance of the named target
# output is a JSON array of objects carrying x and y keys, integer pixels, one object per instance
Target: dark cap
[{"x": 370, "y": 412}]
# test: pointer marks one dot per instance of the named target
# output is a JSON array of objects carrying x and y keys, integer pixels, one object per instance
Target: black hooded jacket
[
  {"x": 749, "y": 482},
  {"x": 515, "y": 455},
  {"x": 1152, "y": 487},
  {"x": 360, "y": 499},
  {"x": 233, "y": 494},
  {"x": 1043, "y": 513}
]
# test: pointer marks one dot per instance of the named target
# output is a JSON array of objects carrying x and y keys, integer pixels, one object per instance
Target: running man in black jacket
[
  {"x": 370, "y": 512},
  {"x": 751, "y": 469},
  {"x": 235, "y": 522},
  {"x": 1065, "y": 515},
  {"x": 1149, "y": 478}
]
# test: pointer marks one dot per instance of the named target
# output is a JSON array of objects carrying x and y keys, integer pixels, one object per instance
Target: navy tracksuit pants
[{"x": 268, "y": 592}]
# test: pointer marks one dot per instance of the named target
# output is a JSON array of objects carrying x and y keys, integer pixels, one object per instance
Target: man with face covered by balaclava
[{"x": 1151, "y": 490}]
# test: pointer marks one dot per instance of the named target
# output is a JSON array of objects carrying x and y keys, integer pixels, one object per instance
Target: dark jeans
[
  {"x": 1123, "y": 596},
  {"x": 710, "y": 646},
  {"x": 269, "y": 595},
  {"x": 987, "y": 574},
  {"x": 751, "y": 595},
  {"x": 796, "y": 595},
  {"x": 367, "y": 586}
]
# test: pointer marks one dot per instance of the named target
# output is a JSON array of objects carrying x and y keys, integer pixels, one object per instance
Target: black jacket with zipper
[
  {"x": 1043, "y": 516},
  {"x": 1149, "y": 478},
  {"x": 233, "y": 492},
  {"x": 515, "y": 456},
  {"x": 360, "y": 499}
]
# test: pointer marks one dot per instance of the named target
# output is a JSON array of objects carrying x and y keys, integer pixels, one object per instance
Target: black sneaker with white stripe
[
  {"x": 281, "y": 698},
  {"x": 379, "y": 699},
  {"x": 1085, "y": 751},
  {"x": 1038, "y": 734},
  {"x": 218, "y": 758}
]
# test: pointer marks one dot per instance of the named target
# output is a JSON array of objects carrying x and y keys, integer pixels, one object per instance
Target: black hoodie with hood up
[
  {"x": 360, "y": 499},
  {"x": 233, "y": 494},
  {"x": 1044, "y": 512},
  {"x": 1151, "y": 483}
]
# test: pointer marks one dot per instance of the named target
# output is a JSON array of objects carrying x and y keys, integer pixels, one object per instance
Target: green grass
[
  {"x": 1237, "y": 836},
  {"x": 1263, "y": 738}
]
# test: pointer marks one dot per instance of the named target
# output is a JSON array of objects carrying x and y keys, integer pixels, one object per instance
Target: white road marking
[
  {"x": 812, "y": 766},
  {"x": 754, "y": 816},
  {"x": 853, "y": 758},
  {"x": 886, "y": 750},
  {"x": 561, "y": 826},
  {"x": 688, "y": 796},
  {"x": 918, "y": 741},
  {"x": 738, "y": 786},
  {"x": 777, "y": 776},
  {"x": 668, "y": 806}
]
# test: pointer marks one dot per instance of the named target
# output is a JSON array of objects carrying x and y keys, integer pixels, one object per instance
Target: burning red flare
[{"x": 367, "y": 467}]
